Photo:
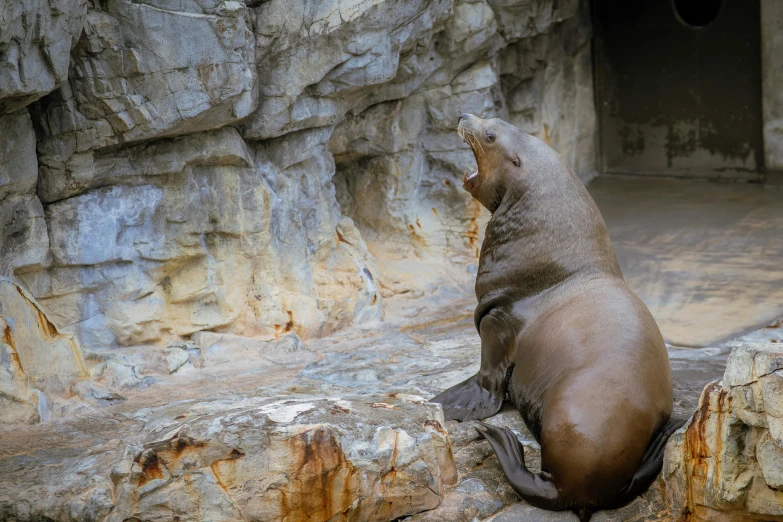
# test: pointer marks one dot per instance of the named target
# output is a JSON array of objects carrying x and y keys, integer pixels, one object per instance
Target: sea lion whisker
[{"x": 476, "y": 144}]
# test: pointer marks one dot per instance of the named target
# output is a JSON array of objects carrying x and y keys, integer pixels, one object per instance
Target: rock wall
[
  {"x": 256, "y": 168},
  {"x": 727, "y": 465}
]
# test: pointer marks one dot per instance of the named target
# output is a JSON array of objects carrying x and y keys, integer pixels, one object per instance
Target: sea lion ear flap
[{"x": 516, "y": 160}]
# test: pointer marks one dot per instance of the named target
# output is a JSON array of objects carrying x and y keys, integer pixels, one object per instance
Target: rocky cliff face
[{"x": 261, "y": 167}]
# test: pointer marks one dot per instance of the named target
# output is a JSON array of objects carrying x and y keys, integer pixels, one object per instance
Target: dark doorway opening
[
  {"x": 697, "y": 13},
  {"x": 678, "y": 87}
]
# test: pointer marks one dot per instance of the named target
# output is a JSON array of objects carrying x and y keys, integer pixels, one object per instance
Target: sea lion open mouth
[{"x": 469, "y": 137}]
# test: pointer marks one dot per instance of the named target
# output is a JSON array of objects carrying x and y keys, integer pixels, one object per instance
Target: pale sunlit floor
[{"x": 706, "y": 258}]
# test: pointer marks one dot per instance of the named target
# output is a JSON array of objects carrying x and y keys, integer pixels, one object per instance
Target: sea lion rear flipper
[
  {"x": 482, "y": 395},
  {"x": 652, "y": 463},
  {"x": 537, "y": 489}
]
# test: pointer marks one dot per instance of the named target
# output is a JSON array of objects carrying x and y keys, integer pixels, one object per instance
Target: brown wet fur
[{"x": 562, "y": 335}]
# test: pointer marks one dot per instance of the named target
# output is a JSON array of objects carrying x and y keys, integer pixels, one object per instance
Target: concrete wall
[
  {"x": 678, "y": 99},
  {"x": 772, "y": 87}
]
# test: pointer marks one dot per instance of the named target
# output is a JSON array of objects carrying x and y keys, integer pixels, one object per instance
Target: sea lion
[{"x": 577, "y": 352}]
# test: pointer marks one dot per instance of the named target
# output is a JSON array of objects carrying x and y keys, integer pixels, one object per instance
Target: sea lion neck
[{"x": 545, "y": 231}]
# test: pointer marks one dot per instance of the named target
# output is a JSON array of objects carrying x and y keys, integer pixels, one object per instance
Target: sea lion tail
[
  {"x": 584, "y": 514},
  {"x": 652, "y": 464},
  {"x": 538, "y": 488}
]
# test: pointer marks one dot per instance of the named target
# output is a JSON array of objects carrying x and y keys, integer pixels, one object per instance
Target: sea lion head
[{"x": 496, "y": 146}]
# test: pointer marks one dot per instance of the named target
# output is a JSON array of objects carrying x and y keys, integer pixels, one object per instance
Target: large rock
[
  {"x": 287, "y": 457},
  {"x": 36, "y": 37},
  {"x": 36, "y": 361},
  {"x": 726, "y": 464},
  {"x": 153, "y": 248}
]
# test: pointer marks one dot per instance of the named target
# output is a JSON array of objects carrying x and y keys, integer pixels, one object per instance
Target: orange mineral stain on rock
[
  {"x": 547, "y": 135},
  {"x": 323, "y": 483},
  {"x": 151, "y": 469},
  {"x": 8, "y": 338},
  {"x": 288, "y": 327},
  {"x": 699, "y": 457}
]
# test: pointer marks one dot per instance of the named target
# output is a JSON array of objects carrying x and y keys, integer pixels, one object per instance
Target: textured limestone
[
  {"x": 37, "y": 363},
  {"x": 152, "y": 249},
  {"x": 547, "y": 82},
  {"x": 142, "y": 70},
  {"x": 504, "y": 59},
  {"x": 319, "y": 59},
  {"x": 284, "y": 457},
  {"x": 18, "y": 163},
  {"x": 726, "y": 464},
  {"x": 24, "y": 240},
  {"x": 162, "y": 240},
  {"x": 36, "y": 37},
  {"x": 267, "y": 167}
]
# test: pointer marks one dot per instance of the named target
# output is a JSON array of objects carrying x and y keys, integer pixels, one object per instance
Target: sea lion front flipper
[
  {"x": 468, "y": 400},
  {"x": 537, "y": 489},
  {"x": 482, "y": 395}
]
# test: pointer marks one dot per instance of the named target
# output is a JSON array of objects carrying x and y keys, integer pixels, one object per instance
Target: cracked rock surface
[
  {"x": 260, "y": 168},
  {"x": 230, "y": 428}
]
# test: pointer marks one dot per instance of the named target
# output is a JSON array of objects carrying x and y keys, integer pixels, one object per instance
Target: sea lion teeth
[{"x": 562, "y": 335}]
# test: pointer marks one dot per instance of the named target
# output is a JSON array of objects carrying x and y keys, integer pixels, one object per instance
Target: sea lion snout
[
  {"x": 496, "y": 147},
  {"x": 469, "y": 129}
]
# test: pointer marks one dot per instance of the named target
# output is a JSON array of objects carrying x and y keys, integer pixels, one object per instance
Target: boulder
[
  {"x": 285, "y": 457},
  {"x": 725, "y": 465}
]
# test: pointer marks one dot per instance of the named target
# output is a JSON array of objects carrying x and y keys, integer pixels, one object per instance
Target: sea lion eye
[{"x": 490, "y": 136}]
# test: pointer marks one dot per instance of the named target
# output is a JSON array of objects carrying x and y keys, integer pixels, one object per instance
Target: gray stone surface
[
  {"x": 24, "y": 240},
  {"x": 36, "y": 38},
  {"x": 142, "y": 70},
  {"x": 289, "y": 456}
]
